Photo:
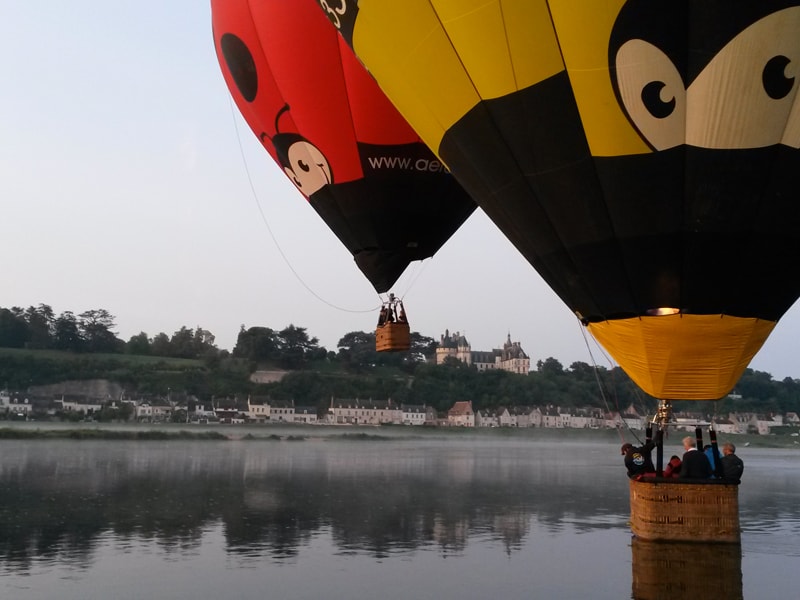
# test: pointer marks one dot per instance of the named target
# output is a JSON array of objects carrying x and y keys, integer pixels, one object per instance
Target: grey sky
[{"x": 125, "y": 184}]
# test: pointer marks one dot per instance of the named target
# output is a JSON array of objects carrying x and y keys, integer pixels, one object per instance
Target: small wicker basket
[{"x": 393, "y": 337}]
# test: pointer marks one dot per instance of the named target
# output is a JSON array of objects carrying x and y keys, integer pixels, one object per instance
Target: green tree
[
  {"x": 160, "y": 345},
  {"x": 181, "y": 344},
  {"x": 96, "y": 328},
  {"x": 41, "y": 321},
  {"x": 13, "y": 329},
  {"x": 139, "y": 344},
  {"x": 357, "y": 350},
  {"x": 203, "y": 343},
  {"x": 256, "y": 344},
  {"x": 67, "y": 333},
  {"x": 550, "y": 366},
  {"x": 295, "y": 347}
]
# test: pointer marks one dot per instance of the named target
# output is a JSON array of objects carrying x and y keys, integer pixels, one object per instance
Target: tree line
[
  {"x": 354, "y": 370},
  {"x": 93, "y": 331}
]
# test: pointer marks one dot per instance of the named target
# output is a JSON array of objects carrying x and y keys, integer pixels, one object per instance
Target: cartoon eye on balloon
[{"x": 737, "y": 93}]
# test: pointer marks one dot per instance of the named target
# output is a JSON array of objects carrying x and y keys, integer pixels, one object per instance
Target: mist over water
[{"x": 394, "y": 515}]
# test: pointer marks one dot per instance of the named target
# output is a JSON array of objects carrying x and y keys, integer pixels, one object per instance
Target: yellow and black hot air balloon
[
  {"x": 641, "y": 154},
  {"x": 333, "y": 132}
]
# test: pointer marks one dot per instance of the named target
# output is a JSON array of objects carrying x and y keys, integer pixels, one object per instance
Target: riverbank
[{"x": 299, "y": 432}]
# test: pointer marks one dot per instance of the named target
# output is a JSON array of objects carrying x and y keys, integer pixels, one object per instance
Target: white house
[
  {"x": 258, "y": 409},
  {"x": 364, "y": 412},
  {"x": 305, "y": 414},
  {"x": 416, "y": 414}
]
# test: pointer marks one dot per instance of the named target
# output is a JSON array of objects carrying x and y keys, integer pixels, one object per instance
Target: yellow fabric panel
[
  {"x": 500, "y": 46},
  {"x": 583, "y": 28},
  {"x": 683, "y": 357},
  {"x": 408, "y": 53},
  {"x": 504, "y": 45}
]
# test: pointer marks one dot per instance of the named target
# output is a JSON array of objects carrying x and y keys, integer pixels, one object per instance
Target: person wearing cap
[{"x": 638, "y": 461}]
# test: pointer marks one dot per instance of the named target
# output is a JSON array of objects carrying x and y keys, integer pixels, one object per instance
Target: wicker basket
[
  {"x": 668, "y": 570},
  {"x": 393, "y": 337},
  {"x": 676, "y": 510}
]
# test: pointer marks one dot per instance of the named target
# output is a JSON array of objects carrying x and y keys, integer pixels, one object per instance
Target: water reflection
[
  {"x": 72, "y": 505},
  {"x": 668, "y": 570},
  {"x": 58, "y": 498}
]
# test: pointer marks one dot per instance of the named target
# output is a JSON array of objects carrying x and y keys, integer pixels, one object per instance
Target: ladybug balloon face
[
  {"x": 333, "y": 132},
  {"x": 308, "y": 168}
]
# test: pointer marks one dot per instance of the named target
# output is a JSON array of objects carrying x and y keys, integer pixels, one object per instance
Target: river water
[{"x": 392, "y": 516}]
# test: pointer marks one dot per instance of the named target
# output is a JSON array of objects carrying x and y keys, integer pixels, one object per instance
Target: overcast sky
[{"x": 125, "y": 182}]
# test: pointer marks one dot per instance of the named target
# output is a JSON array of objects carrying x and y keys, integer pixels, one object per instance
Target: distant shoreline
[{"x": 292, "y": 433}]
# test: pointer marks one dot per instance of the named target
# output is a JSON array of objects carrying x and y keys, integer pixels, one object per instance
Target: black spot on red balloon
[{"x": 241, "y": 65}]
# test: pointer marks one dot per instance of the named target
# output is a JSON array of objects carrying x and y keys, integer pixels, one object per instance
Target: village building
[
  {"x": 77, "y": 404},
  {"x": 281, "y": 412},
  {"x": 725, "y": 426},
  {"x": 230, "y": 410},
  {"x": 486, "y": 418},
  {"x": 511, "y": 357},
  {"x": 418, "y": 414},
  {"x": 526, "y": 416},
  {"x": 461, "y": 415},
  {"x": 202, "y": 413},
  {"x": 14, "y": 404},
  {"x": 745, "y": 422},
  {"x": 305, "y": 414},
  {"x": 764, "y": 423},
  {"x": 496, "y": 417},
  {"x": 551, "y": 417},
  {"x": 258, "y": 409},
  {"x": 586, "y": 418},
  {"x": 364, "y": 412}
]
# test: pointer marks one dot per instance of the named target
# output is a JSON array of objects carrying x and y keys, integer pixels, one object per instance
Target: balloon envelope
[
  {"x": 334, "y": 133},
  {"x": 641, "y": 154}
]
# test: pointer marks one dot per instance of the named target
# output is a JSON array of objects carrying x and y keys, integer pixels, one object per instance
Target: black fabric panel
[
  {"x": 702, "y": 230},
  {"x": 388, "y": 223},
  {"x": 707, "y": 231},
  {"x": 524, "y": 157}
]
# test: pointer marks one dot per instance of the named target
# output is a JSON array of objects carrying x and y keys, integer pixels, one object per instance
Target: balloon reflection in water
[{"x": 668, "y": 570}]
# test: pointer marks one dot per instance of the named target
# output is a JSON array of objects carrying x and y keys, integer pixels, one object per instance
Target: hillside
[{"x": 109, "y": 375}]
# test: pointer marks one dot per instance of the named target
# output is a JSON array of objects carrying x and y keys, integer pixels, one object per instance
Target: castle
[{"x": 510, "y": 358}]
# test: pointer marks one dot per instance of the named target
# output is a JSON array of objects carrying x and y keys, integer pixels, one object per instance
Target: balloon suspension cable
[
  {"x": 596, "y": 370},
  {"x": 271, "y": 233},
  {"x": 417, "y": 275}
]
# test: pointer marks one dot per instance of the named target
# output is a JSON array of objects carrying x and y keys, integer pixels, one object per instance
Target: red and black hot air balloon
[{"x": 334, "y": 133}]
